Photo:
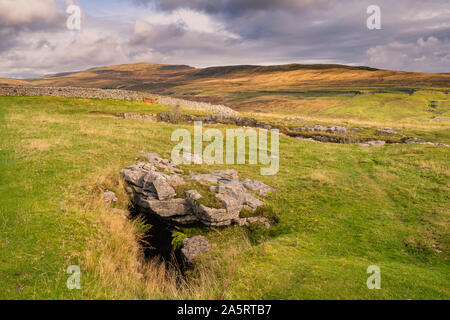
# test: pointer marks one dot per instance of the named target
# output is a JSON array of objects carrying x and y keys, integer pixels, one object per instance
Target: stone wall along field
[
  {"x": 70, "y": 92},
  {"x": 218, "y": 109},
  {"x": 118, "y": 94}
]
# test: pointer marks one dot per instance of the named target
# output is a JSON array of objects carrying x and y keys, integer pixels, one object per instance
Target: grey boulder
[{"x": 192, "y": 247}]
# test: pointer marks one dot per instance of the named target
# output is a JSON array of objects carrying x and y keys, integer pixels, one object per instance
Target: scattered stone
[
  {"x": 435, "y": 144},
  {"x": 192, "y": 247},
  {"x": 387, "y": 131},
  {"x": 229, "y": 173},
  {"x": 245, "y": 222},
  {"x": 419, "y": 141},
  {"x": 256, "y": 185},
  {"x": 442, "y": 144},
  {"x": 264, "y": 126},
  {"x": 413, "y": 140},
  {"x": 109, "y": 197},
  {"x": 325, "y": 139},
  {"x": 146, "y": 117},
  {"x": 161, "y": 163},
  {"x": 319, "y": 128},
  {"x": 372, "y": 143},
  {"x": 337, "y": 130}
]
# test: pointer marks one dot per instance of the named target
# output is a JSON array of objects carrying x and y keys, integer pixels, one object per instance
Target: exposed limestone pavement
[
  {"x": 316, "y": 132},
  {"x": 320, "y": 128},
  {"x": 221, "y": 113},
  {"x": 419, "y": 141},
  {"x": 153, "y": 192},
  {"x": 152, "y": 188}
]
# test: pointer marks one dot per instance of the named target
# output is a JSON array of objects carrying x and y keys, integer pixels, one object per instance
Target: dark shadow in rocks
[{"x": 157, "y": 242}]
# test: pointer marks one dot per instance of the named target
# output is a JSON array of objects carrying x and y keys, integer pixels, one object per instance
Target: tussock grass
[{"x": 116, "y": 258}]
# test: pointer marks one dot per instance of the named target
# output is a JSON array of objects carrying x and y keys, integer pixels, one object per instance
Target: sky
[{"x": 35, "y": 40}]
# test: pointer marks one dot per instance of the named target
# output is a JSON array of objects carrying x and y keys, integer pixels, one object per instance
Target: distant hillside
[
  {"x": 162, "y": 77},
  {"x": 13, "y": 82},
  {"x": 250, "y": 87}
]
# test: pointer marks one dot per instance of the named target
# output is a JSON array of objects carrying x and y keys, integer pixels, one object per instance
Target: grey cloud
[
  {"x": 425, "y": 55},
  {"x": 297, "y": 31},
  {"x": 172, "y": 42},
  {"x": 235, "y": 7},
  {"x": 20, "y": 18},
  {"x": 146, "y": 34},
  {"x": 414, "y": 35}
]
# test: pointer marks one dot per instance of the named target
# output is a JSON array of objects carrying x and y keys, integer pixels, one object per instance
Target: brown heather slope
[
  {"x": 181, "y": 77},
  {"x": 127, "y": 76},
  {"x": 250, "y": 88},
  {"x": 13, "y": 82}
]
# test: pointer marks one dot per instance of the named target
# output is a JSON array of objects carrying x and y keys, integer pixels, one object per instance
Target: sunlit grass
[{"x": 341, "y": 208}]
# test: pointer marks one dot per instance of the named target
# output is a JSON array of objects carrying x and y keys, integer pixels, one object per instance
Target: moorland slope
[{"x": 253, "y": 88}]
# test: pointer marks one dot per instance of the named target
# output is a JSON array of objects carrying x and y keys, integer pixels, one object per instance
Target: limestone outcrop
[
  {"x": 319, "y": 128},
  {"x": 152, "y": 189}
]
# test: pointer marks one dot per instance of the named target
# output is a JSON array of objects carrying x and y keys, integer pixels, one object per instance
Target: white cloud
[
  {"x": 424, "y": 55},
  {"x": 35, "y": 40},
  {"x": 22, "y": 12},
  {"x": 191, "y": 20},
  {"x": 64, "y": 51}
]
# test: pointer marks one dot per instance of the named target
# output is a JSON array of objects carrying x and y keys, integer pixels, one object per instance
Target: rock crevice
[{"x": 152, "y": 188}]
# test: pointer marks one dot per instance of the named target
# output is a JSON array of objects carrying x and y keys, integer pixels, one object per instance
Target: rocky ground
[
  {"x": 316, "y": 132},
  {"x": 153, "y": 186}
]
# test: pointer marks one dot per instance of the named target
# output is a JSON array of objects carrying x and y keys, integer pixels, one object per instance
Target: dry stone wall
[
  {"x": 70, "y": 92},
  {"x": 221, "y": 109},
  {"x": 75, "y": 92}
]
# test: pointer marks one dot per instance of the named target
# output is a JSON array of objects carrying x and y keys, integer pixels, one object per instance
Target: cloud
[
  {"x": 19, "y": 18},
  {"x": 424, "y": 55},
  {"x": 174, "y": 43},
  {"x": 43, "y": 54},
  {"x": 301, "y": 31},
  {"x": 35, "y": 40},
  {"x": 235, "y": 7},
  {"x": 25, "y": 13}
]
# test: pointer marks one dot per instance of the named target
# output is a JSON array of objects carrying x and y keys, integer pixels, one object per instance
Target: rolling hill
[
  {"x": 13, "y": 82},
  {"x": 304, "y": 89},
  {"x": 339, "y": 207}
]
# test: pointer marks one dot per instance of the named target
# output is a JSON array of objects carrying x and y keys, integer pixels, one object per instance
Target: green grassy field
[
  {"x": 342, "y": 208},
  {"x": 364, "y": 104}
]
